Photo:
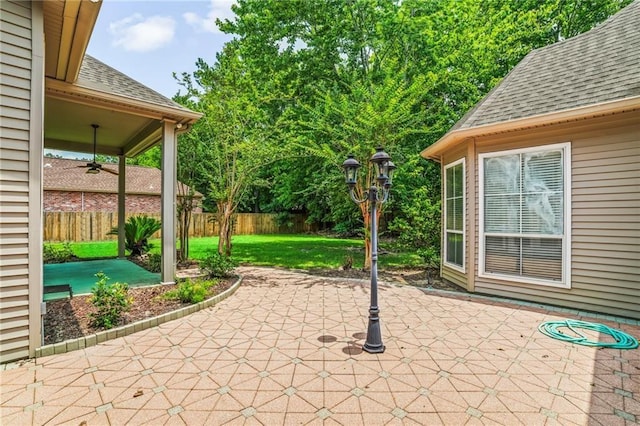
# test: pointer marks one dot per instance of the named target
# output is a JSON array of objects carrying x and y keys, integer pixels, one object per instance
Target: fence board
[{"x": 94, "y": 226}]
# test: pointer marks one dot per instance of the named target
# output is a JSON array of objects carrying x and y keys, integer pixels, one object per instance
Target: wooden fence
[{"x": 94, "y": 226}]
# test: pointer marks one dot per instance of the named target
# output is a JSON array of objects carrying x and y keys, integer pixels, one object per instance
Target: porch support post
[
  {"x": 121, "y": 203},
  {"x": 169, "y": 178}
]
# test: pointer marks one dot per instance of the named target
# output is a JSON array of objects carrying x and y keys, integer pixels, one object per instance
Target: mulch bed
[{"x": 69, "y": 318}]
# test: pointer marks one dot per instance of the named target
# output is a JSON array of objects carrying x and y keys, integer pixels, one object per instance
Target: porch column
[
  {"x": 122, "y": 163},
  {"x": 169, "y": 178}
]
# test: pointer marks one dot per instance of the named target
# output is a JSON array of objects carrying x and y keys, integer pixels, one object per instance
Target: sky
[{"x": 149, "y": 40}]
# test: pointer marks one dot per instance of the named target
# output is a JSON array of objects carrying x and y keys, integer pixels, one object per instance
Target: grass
[{"x": 287, "y": 251}]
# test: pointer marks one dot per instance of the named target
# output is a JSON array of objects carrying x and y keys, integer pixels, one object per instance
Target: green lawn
[{"x": 288, "y": 251}]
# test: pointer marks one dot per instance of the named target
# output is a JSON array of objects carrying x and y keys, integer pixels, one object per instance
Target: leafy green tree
[{"x": 235, "y": 137}]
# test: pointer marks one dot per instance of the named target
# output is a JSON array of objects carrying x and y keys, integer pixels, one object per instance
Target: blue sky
[{"x": 148, "y": 40}]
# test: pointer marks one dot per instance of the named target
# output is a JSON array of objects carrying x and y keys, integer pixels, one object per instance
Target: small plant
[
  {"x": 216, "y": 265},
  {"x": 347, "y": 264},
  {"x": 137, "y": 231},
  {"x": 191, "y": 291},
  {"x": 431, "y": 258},
  {"x": 56, "y": 253},
  {"x": 154, "y": 262},
  {"x": 110, "y": 301}
]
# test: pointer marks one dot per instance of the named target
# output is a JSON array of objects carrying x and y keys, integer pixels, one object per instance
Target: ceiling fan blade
[{"x": 113, "y": 172}]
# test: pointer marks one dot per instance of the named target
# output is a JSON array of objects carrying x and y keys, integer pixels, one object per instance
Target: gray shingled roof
[
  {"x": 97, "y": 75},
  {"x": 68, "y": 175},
  {"x": 598, "y": 66}
]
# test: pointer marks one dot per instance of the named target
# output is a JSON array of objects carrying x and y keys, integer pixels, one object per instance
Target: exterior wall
[
  {"x": 74, "y": 201},
  {"x": 451, "y": 274},
  {"x": 605, "y": 231},
  {"x": 21, "y": 84}
]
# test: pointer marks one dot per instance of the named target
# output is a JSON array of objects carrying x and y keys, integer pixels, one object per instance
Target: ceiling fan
[{"x": 94, "y": 167}]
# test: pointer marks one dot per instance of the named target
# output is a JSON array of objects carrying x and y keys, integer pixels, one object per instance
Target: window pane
[
  {"x": 542, "y": 213},
  {"x": 450, "y": 182},
  {"x": 450, "y": 213},
  {"x": 457, "y": 180},
  {"x": 458, "y": 214},
  {"x": 502, "y": 213},
  {"x": 542, "y": 258},
  {"x": 502, "y": 175},
  {"x": 543, "y": 186},
  {"x": 455, "y": 248},
  {"x": 502, "y": 255}
]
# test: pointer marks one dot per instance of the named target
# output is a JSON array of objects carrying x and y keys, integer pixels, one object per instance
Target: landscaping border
[{"x": 134, "y": 327}]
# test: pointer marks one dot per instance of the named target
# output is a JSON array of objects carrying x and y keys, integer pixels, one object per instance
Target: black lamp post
[{"x": 377, "y": 193}]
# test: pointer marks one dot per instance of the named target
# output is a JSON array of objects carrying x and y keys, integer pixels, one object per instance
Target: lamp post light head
[
  {"x": 351, "y": 166},
  {"x": 390, "y": 168},
  {"x": 381, "y": 160}
]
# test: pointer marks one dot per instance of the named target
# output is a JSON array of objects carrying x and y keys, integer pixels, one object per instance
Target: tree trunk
[
  {"x": 185, "y": 209},
  {"x": 225, "y": 229},
  {"x": 366, "y": 211},
  {"x": 364, "y": 208}
]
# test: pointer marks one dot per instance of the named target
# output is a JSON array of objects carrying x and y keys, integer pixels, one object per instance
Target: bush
[
  {"x": 110, "y": 301},
  {"x": 56, "y": 253},
  {"x": 191, "y": 291},
  {"x": 137, "y": 231},
  {"x": 154, "y": 262},
  {"x": 217, "y": 265}
]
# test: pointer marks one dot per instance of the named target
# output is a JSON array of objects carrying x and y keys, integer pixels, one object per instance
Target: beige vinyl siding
[
  {"x": 605, "y": 228},
  {"x": 15, "y": 86},
  {"x": 448, "y": 273}
]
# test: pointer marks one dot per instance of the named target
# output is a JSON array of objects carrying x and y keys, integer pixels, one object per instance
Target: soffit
[{"x": 68, "y": 25}]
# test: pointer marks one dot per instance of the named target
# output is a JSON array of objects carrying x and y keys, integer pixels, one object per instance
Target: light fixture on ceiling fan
[{"x": 94, "y": 167}]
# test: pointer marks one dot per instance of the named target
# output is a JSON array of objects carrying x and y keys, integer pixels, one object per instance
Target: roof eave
[
  {"x": 451, "y": 139},
  {"x": 85, "y": 95}
]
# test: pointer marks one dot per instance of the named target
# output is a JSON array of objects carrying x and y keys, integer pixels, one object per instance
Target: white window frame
[
  {"x": 461, "y": 268},
  {"x": 566, "y": 237}
]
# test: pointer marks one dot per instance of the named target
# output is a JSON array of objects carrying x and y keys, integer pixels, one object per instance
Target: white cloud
[
  {"x": 138, "y": 34},
  {"x": 218, "y": 9}
]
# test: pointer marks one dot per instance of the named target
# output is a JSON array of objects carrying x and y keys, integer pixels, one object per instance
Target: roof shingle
[
  {"x": 97, "y": 75},
  {"x": 69, "y": 175}
]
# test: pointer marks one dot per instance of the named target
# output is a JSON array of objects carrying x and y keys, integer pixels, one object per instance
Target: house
[
  {"x": 52, "y": 93},
  {"x": 69, "y": 188},
  {"x": 541, "y": 179}
]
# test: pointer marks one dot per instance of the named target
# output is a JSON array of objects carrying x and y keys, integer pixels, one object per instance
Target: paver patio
[{"x": 286, "y": 349}]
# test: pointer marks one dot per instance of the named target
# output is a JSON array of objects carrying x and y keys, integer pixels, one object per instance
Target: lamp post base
[{"x": 373, "y": 344}]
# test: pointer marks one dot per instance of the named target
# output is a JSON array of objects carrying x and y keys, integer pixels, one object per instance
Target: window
[
  {"x": 454, "y": 214},
  {"x": 523, "y": 214}
]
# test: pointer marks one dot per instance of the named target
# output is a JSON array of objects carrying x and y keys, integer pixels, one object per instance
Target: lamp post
[{"x": 378, "y": 192}]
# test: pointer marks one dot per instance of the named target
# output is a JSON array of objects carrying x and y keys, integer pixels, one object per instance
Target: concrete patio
[{"x": 286, "y": 349}]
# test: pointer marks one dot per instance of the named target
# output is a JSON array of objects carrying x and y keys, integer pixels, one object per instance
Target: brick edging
[{"x": 134, "y": 327}]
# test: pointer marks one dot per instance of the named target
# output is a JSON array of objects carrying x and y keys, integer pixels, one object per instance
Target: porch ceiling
[{"x": 67, "y": 126}]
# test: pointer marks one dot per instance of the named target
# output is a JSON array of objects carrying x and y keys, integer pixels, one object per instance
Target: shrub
[
  {"x": 57, "y": 253},
  {"x": 137, "y": 231},
  {"x": 154, "y": 262},
  {"x": 191, "y": 291},
  {"x": 110, "y": 301},
  {"x": 217, "y": 265}
]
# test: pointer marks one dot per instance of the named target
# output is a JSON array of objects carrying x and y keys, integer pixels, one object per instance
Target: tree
[
  {"x": 356, "y": 122},
  {"x": 234, "y": 138}
]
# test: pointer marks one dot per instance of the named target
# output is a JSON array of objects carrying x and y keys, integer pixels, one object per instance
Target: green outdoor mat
[{"x": 81, "y": 275}]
